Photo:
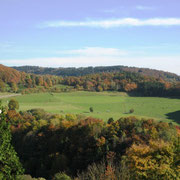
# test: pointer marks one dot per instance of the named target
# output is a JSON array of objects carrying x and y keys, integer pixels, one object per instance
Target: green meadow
[{"x": 105, "y": 105}]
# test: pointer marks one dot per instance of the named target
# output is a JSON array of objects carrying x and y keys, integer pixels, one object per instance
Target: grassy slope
[{"x": 105, "y": 104}]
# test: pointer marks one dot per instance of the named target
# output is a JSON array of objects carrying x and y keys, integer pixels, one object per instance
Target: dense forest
[
  {"x": 167, "y": 76},
  {"x": 124, "y": 81},
  {"x": 14, "y": 81},
  {"x": 70, "y": 146}
]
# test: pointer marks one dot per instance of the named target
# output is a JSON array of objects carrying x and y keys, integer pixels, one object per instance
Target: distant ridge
[{"x": 167, "y": 76}]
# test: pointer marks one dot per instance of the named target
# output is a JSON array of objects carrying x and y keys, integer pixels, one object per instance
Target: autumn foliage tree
[
  {"x": 13, "y": 104},
  {"x": 152, "y": 161}
]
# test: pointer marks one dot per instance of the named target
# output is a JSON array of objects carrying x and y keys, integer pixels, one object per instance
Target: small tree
[
  {"x": 13, "y": 104},
  {"x": 91, "y": 109},
  {"x": 131, "y": 111}
]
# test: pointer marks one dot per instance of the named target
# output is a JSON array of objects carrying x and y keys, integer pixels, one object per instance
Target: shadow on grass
[
  {"x": 86, "y": 112},
  {"x": 175, "y": 116},
  {"x": 137, "y": 94}
]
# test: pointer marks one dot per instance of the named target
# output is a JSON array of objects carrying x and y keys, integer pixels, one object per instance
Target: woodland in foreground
[{"x": 56, "y": 147}]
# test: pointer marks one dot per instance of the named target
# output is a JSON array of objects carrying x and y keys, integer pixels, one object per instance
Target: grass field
[{"x": 105, "y": 105}]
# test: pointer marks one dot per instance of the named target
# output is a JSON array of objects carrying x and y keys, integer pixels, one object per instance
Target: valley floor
[{"x": 105, "y": 105}]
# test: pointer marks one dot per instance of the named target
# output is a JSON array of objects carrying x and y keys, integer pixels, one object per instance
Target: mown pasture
[{"x": 105, "y": 105}]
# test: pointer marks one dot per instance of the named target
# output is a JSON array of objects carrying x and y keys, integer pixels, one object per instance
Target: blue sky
[{"x": 71, "y": 33}]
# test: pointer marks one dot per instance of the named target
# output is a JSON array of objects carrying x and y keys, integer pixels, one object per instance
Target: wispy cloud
[
  {"x": 171, "y": 63},
  {"x": 143, "y": 8},
  {"x": 111, "y": 23},
  {"x": 94, "y": 51},
  {"x": 101, "y": 56},
  {"x": 109, "y": 11}
]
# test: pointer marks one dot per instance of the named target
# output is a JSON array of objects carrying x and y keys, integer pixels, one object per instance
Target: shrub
[
  {"x": 110, "y": 120},
  {"x": 105, "y": 172},
  {"x": 28, "y": 177},
  {"x": 13, "y": 104},
  {"x": 38, "y": 113},
  {"x": 131, "y": 111},
  {"x": 61, "y": 176},
  {"x": 91, "y": 109}
]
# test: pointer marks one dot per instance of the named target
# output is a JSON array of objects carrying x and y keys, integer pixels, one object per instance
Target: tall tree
[{"x": 10, "y": 165}]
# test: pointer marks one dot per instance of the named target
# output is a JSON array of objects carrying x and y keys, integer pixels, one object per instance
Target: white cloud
[
  {"x": 143, "y": 8},
  {"x": 108, "y": 11},
  {"x": 100, "y": 56},
  {"x": 95, "y": 51},
  {"x": 165, "y": 63},
  {"x": 110, "y": 23}
]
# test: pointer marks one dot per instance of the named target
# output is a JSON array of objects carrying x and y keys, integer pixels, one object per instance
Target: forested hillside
[
  {"x": 15, "y": 81},
  {"x": 126, "y": 82},
  {"x": 91, "y": 70}
]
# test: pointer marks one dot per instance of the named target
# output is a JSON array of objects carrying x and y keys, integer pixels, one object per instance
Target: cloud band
[{"x": 114, "y": 23}]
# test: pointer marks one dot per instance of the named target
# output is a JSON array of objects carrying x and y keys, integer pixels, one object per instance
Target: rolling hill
[{"x": 167, "y": 76}]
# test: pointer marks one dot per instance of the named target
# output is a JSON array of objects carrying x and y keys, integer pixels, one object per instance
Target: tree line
[
  {"x": 167, "y": 76},
  {"x": 124, "y": 81}
]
